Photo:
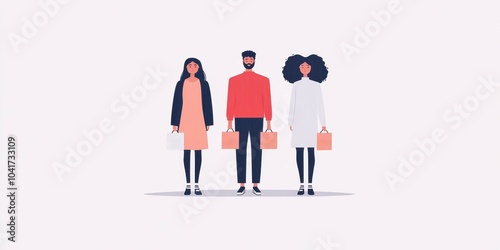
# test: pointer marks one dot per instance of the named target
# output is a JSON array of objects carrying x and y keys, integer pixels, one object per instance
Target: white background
[{"x": 395, "y": 91}]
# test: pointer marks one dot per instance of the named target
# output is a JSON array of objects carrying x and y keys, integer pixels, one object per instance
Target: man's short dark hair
[{"x": 248, "y": 53}]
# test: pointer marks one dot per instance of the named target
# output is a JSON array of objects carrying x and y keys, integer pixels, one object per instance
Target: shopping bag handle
[
  {"x": 229, "y": 129},
  {"x": 175, "y": 131},
  {"x": 324, "y": 130},
  {"x": 268, "y": 129}
]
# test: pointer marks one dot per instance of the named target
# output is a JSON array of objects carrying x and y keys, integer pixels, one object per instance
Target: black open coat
[{"x": 206, "y": 100}]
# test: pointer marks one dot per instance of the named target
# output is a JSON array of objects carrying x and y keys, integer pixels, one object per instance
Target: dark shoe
[
  {"x": 197, "y": 191},
  {"x": 256, "y": 191},
  {"x": 187, "y": 192},
  {"x": 301, "y": 191},
  {"x": 241, "y": 191},
  {"x": 310, "y": 191}
]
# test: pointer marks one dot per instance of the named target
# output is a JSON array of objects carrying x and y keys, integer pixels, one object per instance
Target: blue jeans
[{"x": 252, "y": 127}]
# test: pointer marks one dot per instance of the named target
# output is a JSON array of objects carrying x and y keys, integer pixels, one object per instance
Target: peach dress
[{"x": 192, "y": 122}]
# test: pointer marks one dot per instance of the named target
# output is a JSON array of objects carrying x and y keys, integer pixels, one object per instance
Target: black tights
[
  {"x": 197, "y": 165},
  {"x": 310, "y": 162}
]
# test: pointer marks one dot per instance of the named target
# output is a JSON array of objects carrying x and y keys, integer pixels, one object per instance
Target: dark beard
[{"x": 248, "y": 66}]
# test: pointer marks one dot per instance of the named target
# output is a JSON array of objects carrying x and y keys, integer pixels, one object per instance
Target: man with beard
[{"x": 248, "y": 103}]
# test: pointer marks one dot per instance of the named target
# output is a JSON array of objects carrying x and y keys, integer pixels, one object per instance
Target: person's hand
[
  {"x": 269, "y": 125},
  {"x": 229, "y": 125},
  {"x": 208, "y": 128},
  {"x": 291, "y": 129},
  {"x": 323, "y": 128},
  {"x": 174, "y": 128}
]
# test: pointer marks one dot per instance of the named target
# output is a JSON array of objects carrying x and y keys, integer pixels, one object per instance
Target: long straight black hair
[{"x": 200, "y": 74}]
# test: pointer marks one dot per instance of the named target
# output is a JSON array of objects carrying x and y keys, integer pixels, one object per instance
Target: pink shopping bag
[
  {"x": 230, "y": 140},
  {"x": 324, "y": 141},
  {"x": 268, "y": 140}
]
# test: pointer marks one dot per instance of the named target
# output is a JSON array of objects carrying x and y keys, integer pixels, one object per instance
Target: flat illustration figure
[
  {"x": 192, "y": 115},
  {"x": 306, "y": 108},
  {"x": 248, "y": 103}
]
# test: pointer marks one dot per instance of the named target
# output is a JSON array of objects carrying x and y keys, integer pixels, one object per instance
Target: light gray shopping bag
[{"x": 175, "y": 141}]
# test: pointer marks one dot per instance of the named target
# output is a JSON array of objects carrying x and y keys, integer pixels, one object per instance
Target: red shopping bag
[
  {"x": 268, "y": 140},
  {"x": 230, "y": 140},
  {"x": 324, "y": 140}
]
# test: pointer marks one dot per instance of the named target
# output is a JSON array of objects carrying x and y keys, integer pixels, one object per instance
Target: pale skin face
[
  {"x": 248, "y": 60},
  {"x": 305, "y": 69},
  {"x": 192, "y": 68}
]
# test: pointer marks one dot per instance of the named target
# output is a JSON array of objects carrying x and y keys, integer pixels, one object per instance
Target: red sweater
[{"x": 249, "y": 96}]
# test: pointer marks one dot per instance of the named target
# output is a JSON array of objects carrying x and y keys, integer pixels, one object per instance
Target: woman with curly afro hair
[{"x": 306, "y": 107}]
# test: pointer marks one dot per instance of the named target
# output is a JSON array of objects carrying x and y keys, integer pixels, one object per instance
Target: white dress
[{"x": 306, "y": 107}]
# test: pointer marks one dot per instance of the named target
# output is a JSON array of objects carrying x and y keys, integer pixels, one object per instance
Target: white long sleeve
[
  {"x": 321, "y": 107},
  {"x": 291, "y": 113}
]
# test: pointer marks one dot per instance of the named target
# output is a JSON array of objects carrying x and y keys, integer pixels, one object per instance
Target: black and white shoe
[
  {"x": 301, "y": 191},
  {"x": 256, "y": 191},
  {"x": 240, "y": 191},
  {"x": 197, "y": 189},
  {"x": 310, "y": 191},
  {"x": 187, "y": 191}
]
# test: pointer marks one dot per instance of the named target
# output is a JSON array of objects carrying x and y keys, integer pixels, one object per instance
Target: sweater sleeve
[
  {"x": 321, "y": 107},
  {"x": 266, "y": 97},
  {"x": 230, "y": 100}
]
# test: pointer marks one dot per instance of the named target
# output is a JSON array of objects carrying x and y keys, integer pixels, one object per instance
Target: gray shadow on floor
[{"x": 265, "y": 193}]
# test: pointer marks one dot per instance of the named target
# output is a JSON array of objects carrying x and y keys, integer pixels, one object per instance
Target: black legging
[
  {"x": 197, "y": 165},
  {"x": 310, "y": 162}
]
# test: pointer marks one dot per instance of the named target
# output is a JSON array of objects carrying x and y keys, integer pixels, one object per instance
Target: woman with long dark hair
[
  {"x": 192, "y": 115},
  {"x": 306, "y": 107}
]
